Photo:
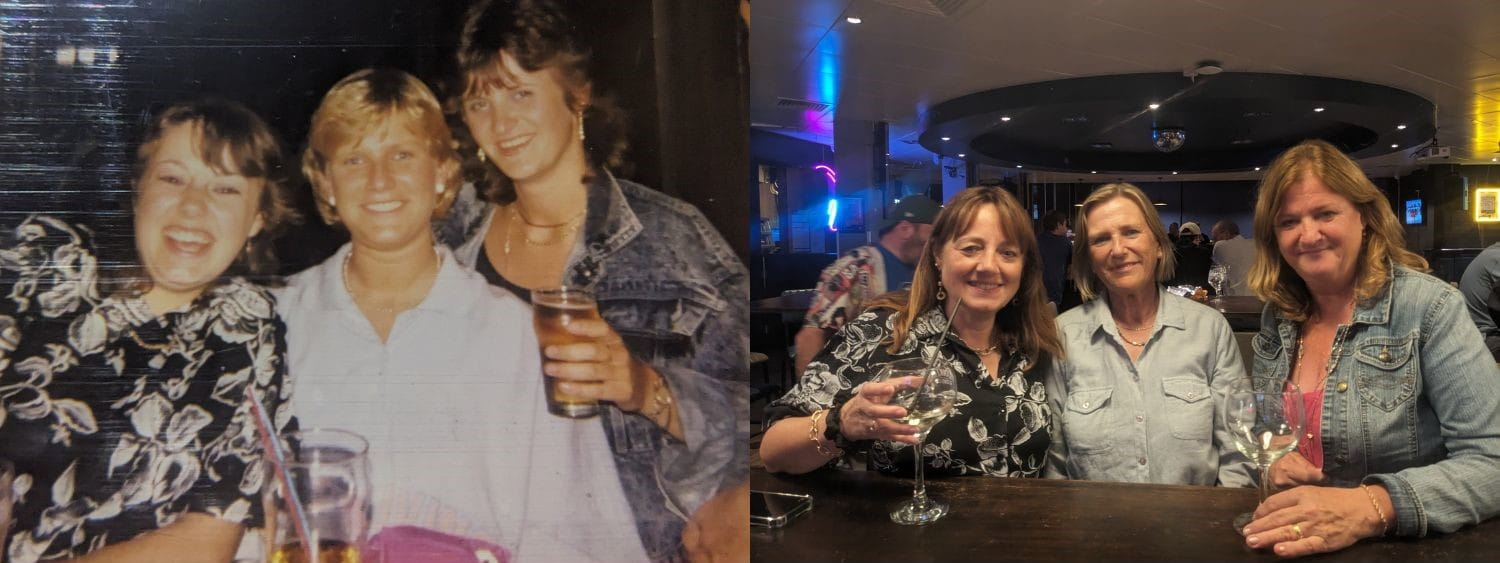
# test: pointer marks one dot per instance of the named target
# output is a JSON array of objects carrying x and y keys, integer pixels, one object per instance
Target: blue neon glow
[{"x": 833, "y": 213}]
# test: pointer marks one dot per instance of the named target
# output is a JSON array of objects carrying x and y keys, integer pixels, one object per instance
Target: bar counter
[{"x": 1040, "y": 519}]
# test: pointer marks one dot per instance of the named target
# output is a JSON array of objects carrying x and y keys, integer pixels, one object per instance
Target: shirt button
[
  {"x": 1192, "y": 394},
  {"x": 1141, "y": 461},
  {"x": 1085, "y": 404},
  {"x": 1343, "y": 386},
  {"x": 1139, "y": 418}
]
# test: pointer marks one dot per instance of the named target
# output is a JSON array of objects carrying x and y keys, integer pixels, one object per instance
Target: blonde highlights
[{"x": 1089, "y": 284}]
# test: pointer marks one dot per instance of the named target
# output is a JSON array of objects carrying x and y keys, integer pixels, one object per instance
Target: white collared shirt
[{"x": 452, "y": 405}]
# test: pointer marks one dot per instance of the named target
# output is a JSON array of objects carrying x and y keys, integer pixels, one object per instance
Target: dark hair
[
  {"x": 538, "y": 34},
  {"x": 1053, "y": 219},
  {"x": 232, "y": 140}
]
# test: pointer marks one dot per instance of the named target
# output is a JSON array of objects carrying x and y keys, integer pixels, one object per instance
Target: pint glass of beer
[
  {"x": 330, "y": 473},
  {"x": 554, "y": 309}
]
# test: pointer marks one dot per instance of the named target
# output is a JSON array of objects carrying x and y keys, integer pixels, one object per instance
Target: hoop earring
[
  {"x": 480, "y": 154},
  {"x": 941, "y": 295},
  {"x": 581, "y": 136}
]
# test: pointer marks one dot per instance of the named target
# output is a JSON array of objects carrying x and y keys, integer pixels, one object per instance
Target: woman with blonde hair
[
  {"x": 982, "y": 255},
  {"x": 1402, "y": 398},
  {"x": 395, "y": 340},
  {"x": 1141, "y": 395}
]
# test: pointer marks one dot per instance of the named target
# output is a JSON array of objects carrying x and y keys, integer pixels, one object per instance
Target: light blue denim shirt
[
  {"x": 1413, "y": 403},
  {"x": 1158, "y": 420}
]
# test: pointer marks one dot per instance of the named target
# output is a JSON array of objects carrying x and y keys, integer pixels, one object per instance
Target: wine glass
[
  {"x": 927, "y": 392},
  {"x": 1217, "y": 274},
  {"x": 1265, "y": 417}
]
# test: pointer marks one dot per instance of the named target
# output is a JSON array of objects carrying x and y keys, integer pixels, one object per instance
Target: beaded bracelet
[
  {"x": 812, "y": 434},
  {"x": 1385, "y": 526}
]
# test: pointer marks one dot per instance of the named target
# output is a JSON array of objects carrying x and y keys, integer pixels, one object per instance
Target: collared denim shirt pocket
[
  {"x": 1269, "y": 361},
  {"x": 1186, "y": 407},
  {"x": 1090, "y": 428},
  {"x": 1386, "y": 377}
]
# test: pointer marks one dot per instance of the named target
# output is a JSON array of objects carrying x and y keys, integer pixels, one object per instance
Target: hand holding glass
[
  {"x": 553, "y": 310},
  {"x": 1265, "y": 418},
  {"x": 927, "y": 393}
]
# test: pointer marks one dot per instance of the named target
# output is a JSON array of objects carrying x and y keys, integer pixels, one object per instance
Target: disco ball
[{"x": 1168, "y": 139}]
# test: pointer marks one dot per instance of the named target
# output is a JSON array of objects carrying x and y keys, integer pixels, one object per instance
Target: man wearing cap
[
  {"x": 1193, "y": 258},
  {"x": 865, "y": 272}
]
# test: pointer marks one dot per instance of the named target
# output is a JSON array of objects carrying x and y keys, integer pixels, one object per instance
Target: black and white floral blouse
[
  {"x": 1000, "y": 426},
  {"x": 119, "y": 421}
]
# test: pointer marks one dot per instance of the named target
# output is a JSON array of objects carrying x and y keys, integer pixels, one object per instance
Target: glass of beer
[
  {"x": 330, "y": 472},
  {"x": 555, "y": 308}
]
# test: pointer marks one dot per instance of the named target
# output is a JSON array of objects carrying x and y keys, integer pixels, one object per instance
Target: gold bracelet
[
  {"x": 812, "y": 434},
  {"x": 661, "y": 400},
  {"x": 1385, "y": 526}
]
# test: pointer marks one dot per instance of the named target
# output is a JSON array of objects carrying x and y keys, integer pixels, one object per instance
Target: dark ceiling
[{"x": 1231, "y": 121}]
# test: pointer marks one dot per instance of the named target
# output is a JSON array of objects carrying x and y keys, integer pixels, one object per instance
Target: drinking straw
[
  {"x": 956, "y": 302},
  {"x": 278, "y": 462}
]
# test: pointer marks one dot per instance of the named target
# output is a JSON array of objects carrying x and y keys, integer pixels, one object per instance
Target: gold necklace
[
  {"x": 982, "y": 353},
  {"x": 355, "y": 296},
  {"x": 559, "y": 231}
]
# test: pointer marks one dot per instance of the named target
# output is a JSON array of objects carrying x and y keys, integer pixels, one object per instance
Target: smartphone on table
[{"x": 774, "y": 510}]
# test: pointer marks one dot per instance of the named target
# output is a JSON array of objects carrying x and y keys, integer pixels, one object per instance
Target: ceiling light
[
  {"x": 1495, "y": 160},
  {"x": 961, "y": 155},
  {"x": 1018, "y": 166},
  {"x": 1257, "y": 169},
  {"x": 1403, "y": 126},
  {"x": 1393, "y": 145},
  {"x": 1154, "y": 106},
  {"x": 1005, "y": 118},
  {"x": 1093, "y": 172},
  {"x": 1174, "y": 172},
  {"x": 946, "y": 138},
  {"x": 1318, "y": 109},
  {"x": 852, "y": 19}
]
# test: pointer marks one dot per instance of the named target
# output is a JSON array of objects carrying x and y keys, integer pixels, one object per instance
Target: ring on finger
[
  {"x": 1297, "y": 529},
  {"x": 871, "y": 427}
]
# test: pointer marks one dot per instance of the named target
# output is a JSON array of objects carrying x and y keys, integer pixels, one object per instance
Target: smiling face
[
  {"x": 982, "y": 265},
  {"x": 1122, "y": 250},
  {"x": 384, "y": 184},
  {"x": 1320, "y": 234},
  {"x": 191, "y": 219},
  {"x": 524, "y": 124}
]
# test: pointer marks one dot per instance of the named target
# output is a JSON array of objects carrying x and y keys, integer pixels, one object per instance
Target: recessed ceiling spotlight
[
  {"x": 1393, "y": 145},
  {"x": 1093, "y": 172},
  {"x": 1154, "y": 106},
  {"x": 1005, "y": 118},
  {"x": 1018, "y": 166},
  {"x": 852, "y": 19},
  {"x": 1257, "y": 169},
  {"x": 1318, "y": 109},
  {"x": 961, "y": 155},
  {"x": 1174, "y": 172},
  {"x": 946, "y": 138},
  {"x": 1402, "y": 126}
]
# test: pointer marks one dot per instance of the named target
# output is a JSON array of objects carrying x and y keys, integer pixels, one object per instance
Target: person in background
[
  {"x": 1236, "y": 253},
  {"x": 128, "y": 418},
  {"x": 1402, "y": 431},
  {"x": 866, "y": 272},
  {"x": 1057, "y": 254},
  {"x": 1192, "y": 256},
  {"x": 1480, "y": 285},
  {"x": 1172, "y": 232},
  {"x": 1141, "y": 396},
  {"x": 982, "y": 271},
  {"x": 670, "y": 362}
]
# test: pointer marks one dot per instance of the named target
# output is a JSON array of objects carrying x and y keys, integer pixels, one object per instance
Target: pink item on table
[{"x": 412, "y": 543}]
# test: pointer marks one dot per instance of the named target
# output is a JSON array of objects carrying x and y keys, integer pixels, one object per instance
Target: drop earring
[
  {"x": 581, "y": 136},
  {"x": 438, "y": 188},
  {"x": 331, "y": 202},
  {"x": 480, "y": 154},
  {"x": 941, "y": 295}
]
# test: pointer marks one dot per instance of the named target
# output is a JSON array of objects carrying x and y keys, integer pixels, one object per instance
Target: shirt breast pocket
[
  {"x": 1387, "y": 371},
  {"x": 1267, "y": 351},
  {"x": 658, "y": 318},
  {"x": 1088, "y": 425},
  {"x": 1189, "y": 412}
]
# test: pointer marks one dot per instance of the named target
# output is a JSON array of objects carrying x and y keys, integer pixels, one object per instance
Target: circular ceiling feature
[{"x": 1141, "y": 122}]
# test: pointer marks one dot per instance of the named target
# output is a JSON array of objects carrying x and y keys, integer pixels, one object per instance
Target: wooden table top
[{"x": 1042, "y": 519}]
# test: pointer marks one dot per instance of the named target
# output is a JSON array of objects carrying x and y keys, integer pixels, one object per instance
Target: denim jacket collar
[
  {"x": 1168, "y": 313},
  {"x": 1373, "y": 311},
  {"x": 609, "y": 225}
]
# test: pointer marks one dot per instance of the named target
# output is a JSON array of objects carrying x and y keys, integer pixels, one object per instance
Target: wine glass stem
[
  {"x": 919, "y": 494},
  {"x": 1265, "y": 482}
]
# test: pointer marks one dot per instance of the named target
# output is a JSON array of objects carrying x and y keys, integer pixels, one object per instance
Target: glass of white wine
[
  {"x": 1265, "y": 417},
  {"x": 1218, "y": 274},
  {"x": 927, "y": 392}
]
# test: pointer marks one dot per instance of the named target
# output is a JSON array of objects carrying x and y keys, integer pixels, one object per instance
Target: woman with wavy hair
[
  {"x": 1143, "y": 392},
  {"x": 982, "y": 270},
  {"x": 128, "y": 417},
  {"x": 1402, "y": 398}
]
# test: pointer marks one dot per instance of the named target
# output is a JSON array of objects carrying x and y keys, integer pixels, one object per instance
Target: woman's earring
[
  {"x": 331, "y": 202},
  {"x": 480, "y": 154},
  {"x": 581, "y": 136},
  {"x": 438, "y": 188},
  {"x": 941, "y": 295}
]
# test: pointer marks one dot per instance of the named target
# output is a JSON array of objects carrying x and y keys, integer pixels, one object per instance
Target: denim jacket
[
  {"x": 1158, "y": 419},
  {"x": 1413, "y": 403},
  {"x": 666, "y": 281}
]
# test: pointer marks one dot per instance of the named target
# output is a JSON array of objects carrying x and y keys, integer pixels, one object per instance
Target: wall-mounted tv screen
[{"x": 1414, "y": 211}]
